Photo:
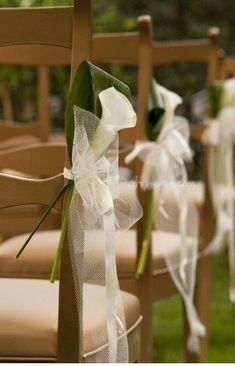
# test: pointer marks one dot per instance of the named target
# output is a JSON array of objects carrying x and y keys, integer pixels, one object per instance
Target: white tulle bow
[
  {"x": 220, "y": 135},
  {"x": 98, "y": 205},
  {"x": 163, "y": 160}
]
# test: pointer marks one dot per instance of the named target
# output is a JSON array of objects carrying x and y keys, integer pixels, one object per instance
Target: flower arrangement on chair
[
  {"x": 164, "y": 157},
  {"x": 98, "y": 108}
]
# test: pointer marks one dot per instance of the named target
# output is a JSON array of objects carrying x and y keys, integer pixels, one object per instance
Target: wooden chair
[
  {"x": 30, "y": 328},
  {"x": 135, "y": 49},
  {"x": 202, "y": 51}
]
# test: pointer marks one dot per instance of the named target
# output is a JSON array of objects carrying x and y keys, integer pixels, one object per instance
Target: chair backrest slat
[
  {"x": 204, "y": 50},
  {"x": 42, "y": 26},
  {"x": 35, "y": 55},
  {"x": 175, "y": 51},
  {"x": 20, "y": 191},
  {"x": 120, "y": 48},
  {"x": 40, "y": 160}
]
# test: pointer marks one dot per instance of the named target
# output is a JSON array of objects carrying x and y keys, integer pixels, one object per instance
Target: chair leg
[{"x": 144, "y": 293}]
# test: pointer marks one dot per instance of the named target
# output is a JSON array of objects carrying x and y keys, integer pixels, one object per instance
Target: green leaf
[
  {"x": 89, "y": 81},
  {"x": 154, "y": 119},
  {"x": 215, "y": 91}
]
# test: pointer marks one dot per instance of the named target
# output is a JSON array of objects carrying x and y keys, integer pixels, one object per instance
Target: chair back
[
  {"x": 48, "y": 45},
  {"x": 43, "y": 35},
  {"x": 202, "y": 51}
]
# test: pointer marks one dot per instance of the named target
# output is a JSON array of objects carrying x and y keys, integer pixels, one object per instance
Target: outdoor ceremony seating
[
  {"x": 135, "y": 49},
  {"x": 138, "y": 50}
]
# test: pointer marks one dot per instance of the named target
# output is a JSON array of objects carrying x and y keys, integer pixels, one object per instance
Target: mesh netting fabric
[{"x": 98, "y": 207}]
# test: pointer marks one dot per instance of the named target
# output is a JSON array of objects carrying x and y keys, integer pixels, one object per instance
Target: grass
[{"x": 168, "y": 327}]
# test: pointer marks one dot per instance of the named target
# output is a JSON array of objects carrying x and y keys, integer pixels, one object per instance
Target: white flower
[
  {"x": 170, "y": 99},
  {"x": 228, "y": 96},
  {"x": 117, "y": 114}
]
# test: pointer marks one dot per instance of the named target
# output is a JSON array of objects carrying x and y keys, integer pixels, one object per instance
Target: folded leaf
[
  {"x": 215, "y": 92},
  {"x": 89, "y": 81}
]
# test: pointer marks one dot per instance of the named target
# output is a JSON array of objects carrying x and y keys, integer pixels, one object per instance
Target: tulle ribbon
[
  {"x": 163, "y": 163},
  {"x": 98, "y": 208},
  {"x": 220, "y": 135}
]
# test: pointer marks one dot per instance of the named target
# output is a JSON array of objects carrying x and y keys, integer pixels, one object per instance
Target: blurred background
[{"x": 172, "y": 19}]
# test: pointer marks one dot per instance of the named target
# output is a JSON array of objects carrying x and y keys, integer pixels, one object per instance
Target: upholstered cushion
[
  {"x": 195, "y": 194},
  {"x": 37, "y": 259},
  {"x": 17, "y": 141},
  {"x": 29, "y": 319}
]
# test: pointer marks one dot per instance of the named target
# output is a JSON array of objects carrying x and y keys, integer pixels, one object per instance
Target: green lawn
[{"x": 167, "y": 323}]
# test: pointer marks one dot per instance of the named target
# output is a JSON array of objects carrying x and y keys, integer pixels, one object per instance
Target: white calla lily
[
  {"x": 117, "y": 114},
  {"x": 228, "y": 96},
  {"x": 171, "y": 101}
]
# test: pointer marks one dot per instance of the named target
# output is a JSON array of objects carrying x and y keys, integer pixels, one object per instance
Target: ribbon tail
[
  {"x": 230, "y": 208},
  {"x": 115, "y": 312},
  {"x": 183, "y": 232},
  {"x": 197, "y": 329},
  {"x": 76, "y": 242}
]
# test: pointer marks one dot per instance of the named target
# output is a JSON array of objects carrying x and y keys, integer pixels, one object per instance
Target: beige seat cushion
[
  {"x": 37, "y": 259},
  {"x": 194, "y": 192},
  {"x": 17, "y": 141},
  {"x": 29, "y": 317}
]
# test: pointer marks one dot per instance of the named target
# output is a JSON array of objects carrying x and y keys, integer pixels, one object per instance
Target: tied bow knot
[
  {"x": 92, "y": 179},
  {"x": 93, "y": 191},
  {"x": 164, "y": 159}
]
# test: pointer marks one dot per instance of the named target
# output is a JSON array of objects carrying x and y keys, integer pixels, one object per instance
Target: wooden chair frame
[{"x": 48, "y": 36}]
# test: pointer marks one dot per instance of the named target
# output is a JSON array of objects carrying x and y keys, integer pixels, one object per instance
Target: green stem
[
  {"x": 62, "y": 237},
  {"x": 148, "y": 224},
  {"x": 52, "y": 204}
]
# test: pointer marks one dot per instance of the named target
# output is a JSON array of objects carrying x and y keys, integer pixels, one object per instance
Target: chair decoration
[
  {"x": 98, "y": 108},
  {"x": 220, "y": 136},
  {"x": 163, "y": 163}
]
